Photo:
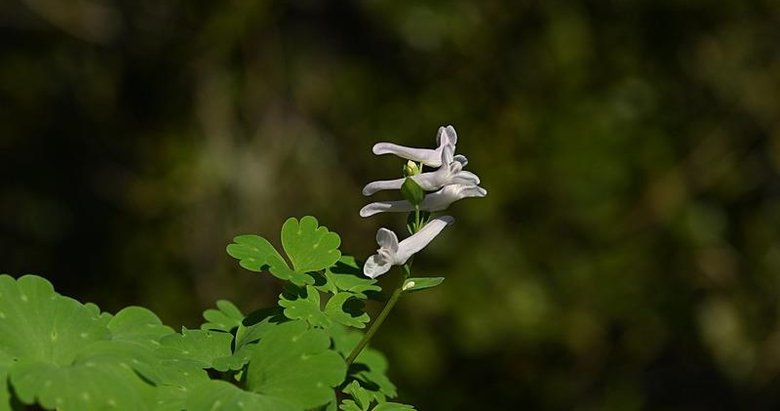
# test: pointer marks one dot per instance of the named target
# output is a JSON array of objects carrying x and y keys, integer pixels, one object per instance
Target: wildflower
[
  {"x": 437, "y": 201},
  {"x": 391, "y": 252}
]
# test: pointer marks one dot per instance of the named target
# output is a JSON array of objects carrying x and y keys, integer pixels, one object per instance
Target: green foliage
[
  {"x": 362, "y": 400},
  {"x": 200, "y": 347},
  {"x": 225, "y": 318},
  {"x": 345, "y": 275},
  {"x": 65, "y": 355},
  {"x": 335, "y": 309},
  {"x": 421, "y": 283},
  {"x": 60, "y": 354},
  {"x": 294, "y": 352},
  {"x": 412, "y": 191},
  {"x": 218, "y": 395},
  {"x": 308, "y": 246},
  {"x": 370, "y": 367},
  {"x": 305, "y": 306}
]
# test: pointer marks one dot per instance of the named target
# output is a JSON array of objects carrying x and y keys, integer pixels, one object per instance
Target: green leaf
[
  {"x": 305, "y": 307},
  {"x": 392, "y": 406},
  {"x": 349, "y": 405},
  {"x": 309, "y": 246},
  {"x": 346, "y": 275},
  {"x": 5, "y": 396},
  {"x": 176, "y": 382},
  {"x": 226, "y": 317},
  {"x": 362, "y": 398},
  {"x": 256, "y": 324},
  {"x": 252, "y": 251},
  {"x": 69, "y": 356},
  {"x": 218, "y": 395},
  {"x": 138, "y": 325},
  {"x": 294, "y": 363},
  {"x": 375, "y": 372},
  {"x": 370, "y": 367},
  {"x": 412, "y": 191},
  {"x": 421, "y": 283},
  {"x": 335, "y": 310},
  {"x": 38, "y": 324},
  {"x": 282, "y": 271},
  {"x": 87, "y": 385},
  {"x": 198, "y": 347},
  {"x": 251, "y": 329}
]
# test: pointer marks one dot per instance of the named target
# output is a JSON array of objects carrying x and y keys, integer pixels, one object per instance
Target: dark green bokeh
[{"x": 628, "y": 253}]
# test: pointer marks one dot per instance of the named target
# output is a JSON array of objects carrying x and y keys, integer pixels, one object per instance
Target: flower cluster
[{"x": 448, "y": 183}]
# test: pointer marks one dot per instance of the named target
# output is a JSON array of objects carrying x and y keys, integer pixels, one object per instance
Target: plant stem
[
  {"x": 416, "y": 218},
  {"x": 380, "y": 318}
]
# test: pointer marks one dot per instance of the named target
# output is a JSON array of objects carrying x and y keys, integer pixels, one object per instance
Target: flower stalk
[{"x": 381, "y": 317}]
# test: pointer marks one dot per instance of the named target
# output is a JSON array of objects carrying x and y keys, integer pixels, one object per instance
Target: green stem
[{"x": 380, "y": 318}]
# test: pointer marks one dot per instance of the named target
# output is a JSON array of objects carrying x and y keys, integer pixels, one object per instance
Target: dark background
[{"x": 627, "y": 256}]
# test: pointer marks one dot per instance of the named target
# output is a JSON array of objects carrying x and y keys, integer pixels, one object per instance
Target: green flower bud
[{"x": 411, "y": 169}]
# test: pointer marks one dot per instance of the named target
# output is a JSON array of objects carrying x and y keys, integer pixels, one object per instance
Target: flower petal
[
  {"x": 413, "y": 244},
  {"x": 465, "y": 178},
  {"x": 430, "y": 181},
  {"x": 387, "y": 240},
  {"x": 380, "y": 185},
  {"x": 437, "y": 201},
  {"x": 446, "y": 136},
  {"x": 449, "y": 194},
  {"x": 429, "y": 157},
  {"x": 386, "y": 206},
  {"x": 374, "y": 267}
]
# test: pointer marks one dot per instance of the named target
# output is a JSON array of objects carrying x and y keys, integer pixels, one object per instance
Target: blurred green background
[{"x": 627, "y": 256}]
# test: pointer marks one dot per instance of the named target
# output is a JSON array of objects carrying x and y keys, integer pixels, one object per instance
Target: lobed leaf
[
  {"x": 335, "y": 310},
  {"x": 309, "y": 247},
  {"x": 370, "y": 366},
  {"x": 374, "y": 372},
  {"x": 362, "y": 399},
  {"x": 38, "y": 324},
  {"x": 138, "y": 325},
  {"x": 305, "y": 307},
  {"x": 346, "y": 275},
  {"x": 349, "y": 405},
  {"x": 281, "y": 271},
  {"x": 198, "y": 347},
  {"x": 294, "y": 363},
  {"x": 86, "y": 385},
  {"x": 226, "y": 317},
  {"x": 218, "y": 395},
  {"x": 252, "y": 251}
]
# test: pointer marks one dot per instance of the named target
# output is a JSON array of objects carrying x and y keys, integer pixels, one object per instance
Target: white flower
[
  {"x": 391, "y": 252},
  {"x": 450, "y": 172},
  {"x": 446, "y": 136},
  {"x": 437, "y": 201}
]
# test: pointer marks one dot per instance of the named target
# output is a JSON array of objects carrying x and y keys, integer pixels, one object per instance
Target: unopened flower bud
[{"x": 411, "y": 169}]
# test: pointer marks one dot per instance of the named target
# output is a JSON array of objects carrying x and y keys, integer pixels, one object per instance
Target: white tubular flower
[
  {"x": 451, "y": 172},
  {"x": 446, "y": 136},
  {"x": 391, "y": 252},
  {"x": 437, "y": 201}
]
